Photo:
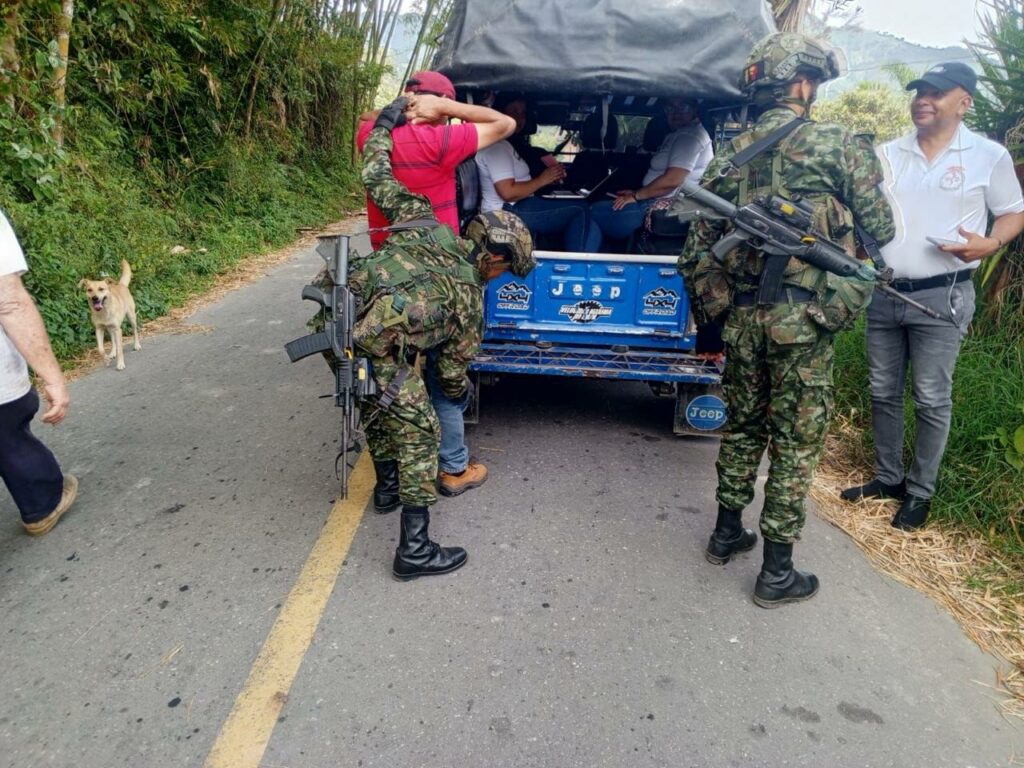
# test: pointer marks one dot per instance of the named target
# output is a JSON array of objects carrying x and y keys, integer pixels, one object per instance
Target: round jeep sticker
[{"x": 706, "y": 413}]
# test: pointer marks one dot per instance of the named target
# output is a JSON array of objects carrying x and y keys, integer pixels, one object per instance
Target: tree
[
  {"x": 432, "y": 23},
  {"x": 874, "y": 108},
  {"x": 791, "y": 15},
  {"x": 60, "y": 74},
  {"x": 999, "y": 112}
]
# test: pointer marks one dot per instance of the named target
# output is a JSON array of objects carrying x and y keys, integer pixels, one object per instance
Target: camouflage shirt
[
  {"x": 421, "y": 290},
  {"x": 827, "y": 165}
]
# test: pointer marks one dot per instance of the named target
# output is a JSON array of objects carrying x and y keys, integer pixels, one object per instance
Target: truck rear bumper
[{"x": 635, "y": 365}]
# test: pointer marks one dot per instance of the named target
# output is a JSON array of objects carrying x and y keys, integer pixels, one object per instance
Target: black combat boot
[
  {"x": 385, "y": 492},
  {"x": 417, "y": 555},
  {"x": 779, "y": 582},
  {"x": 729, "y": 537}
]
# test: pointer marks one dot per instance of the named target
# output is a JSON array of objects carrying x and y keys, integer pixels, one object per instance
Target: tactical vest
[
  {"x": 411, "y": 262},
  {"x": 764, "y": 177}
]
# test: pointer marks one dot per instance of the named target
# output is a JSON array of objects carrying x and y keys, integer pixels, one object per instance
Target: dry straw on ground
[
  {"x": 954, "y": 567},
  {"x": 234, "y": 277}
]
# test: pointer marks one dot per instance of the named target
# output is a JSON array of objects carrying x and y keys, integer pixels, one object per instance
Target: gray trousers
[{"x": 900, "y": 336}]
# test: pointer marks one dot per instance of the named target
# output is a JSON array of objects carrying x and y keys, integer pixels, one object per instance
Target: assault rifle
[
  {"x": 780, "y": 227},
  {"x": 353, "y": 379}
]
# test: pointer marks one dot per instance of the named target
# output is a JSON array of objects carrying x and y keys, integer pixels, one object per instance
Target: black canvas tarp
[{"x": 627, "y": 47}]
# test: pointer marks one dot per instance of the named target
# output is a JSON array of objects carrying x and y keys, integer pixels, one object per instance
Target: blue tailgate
[{"x": 593, "y": 299}]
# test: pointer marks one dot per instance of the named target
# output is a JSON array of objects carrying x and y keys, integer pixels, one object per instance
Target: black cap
[{"x": 947, "y": 75}]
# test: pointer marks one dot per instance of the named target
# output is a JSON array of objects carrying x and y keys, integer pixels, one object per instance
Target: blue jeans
[
  {"x": 453, "y": 457},
  {"x": 569, "y": 218},
  {"x": 900, "y": 337},
  {"x": 607, "y": 223}
]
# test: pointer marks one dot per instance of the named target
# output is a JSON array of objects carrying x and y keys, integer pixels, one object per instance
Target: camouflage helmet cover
[
  {"x": 504, "y": 234},
  {"x": 776, "y": 59}
]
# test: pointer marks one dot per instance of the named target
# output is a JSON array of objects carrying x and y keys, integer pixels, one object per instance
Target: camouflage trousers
[
  {"x": 778, "y": 389},
  {"x": 407, "y": 431}
]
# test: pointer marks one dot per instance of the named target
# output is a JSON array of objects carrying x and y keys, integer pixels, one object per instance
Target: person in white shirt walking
[
  {"x": 943, "y": 181},
  {"x": 40, "y": 490}
]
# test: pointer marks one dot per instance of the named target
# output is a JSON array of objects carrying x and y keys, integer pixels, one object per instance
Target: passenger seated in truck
[
  {"x": 506, "y": 184},
  {"x": 593, "y": 163},
  {"x": 684, "y": 152}
]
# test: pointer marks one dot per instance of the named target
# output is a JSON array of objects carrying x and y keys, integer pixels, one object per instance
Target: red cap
[{"x": 430, "y": 82}]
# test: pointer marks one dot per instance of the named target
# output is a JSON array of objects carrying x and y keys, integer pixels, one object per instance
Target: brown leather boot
[
  {"x": 473, "y": 476},
  {"x": 67, "y": 498}
]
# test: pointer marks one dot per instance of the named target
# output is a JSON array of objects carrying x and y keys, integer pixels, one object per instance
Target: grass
[
  {"x": 977, "y": 487},
  {"x": 245, "y": 201}
]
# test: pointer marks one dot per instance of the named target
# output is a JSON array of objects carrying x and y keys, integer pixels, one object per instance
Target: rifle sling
[
  {"x": 387, "y": 397},
  {"x": 870, "y": 246},
  {"x": 765, "y": 143}
]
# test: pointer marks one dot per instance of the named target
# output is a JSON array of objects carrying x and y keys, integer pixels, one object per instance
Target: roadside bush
[
  {"x": 129, "y": 128},
  {"x": 245, "y": 202}
]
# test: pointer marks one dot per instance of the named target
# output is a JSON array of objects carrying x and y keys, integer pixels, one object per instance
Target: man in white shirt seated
[
  {"x": 506, "y": 183},
  {"x": 685, "y": 152},
  {"x": 943, "y": 181}
]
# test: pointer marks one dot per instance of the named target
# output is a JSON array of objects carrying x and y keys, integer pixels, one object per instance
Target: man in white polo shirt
[
  {"x": 40, "y": 490},
  {"x": 943, "y": 181}
]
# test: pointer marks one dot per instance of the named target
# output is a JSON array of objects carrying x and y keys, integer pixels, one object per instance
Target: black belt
[
  {"x": 790, "y": 294},
  {"x": 935, "y": 281}
]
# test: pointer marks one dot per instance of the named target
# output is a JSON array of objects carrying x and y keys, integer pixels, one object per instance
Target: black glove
[{"x": 393, "y": 115}]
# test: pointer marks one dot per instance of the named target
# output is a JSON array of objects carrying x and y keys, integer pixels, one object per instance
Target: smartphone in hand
[{"x": 940, "y": 241}]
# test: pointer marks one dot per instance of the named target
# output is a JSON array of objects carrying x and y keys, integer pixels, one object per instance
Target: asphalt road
[{"x": 586, "y": 630}]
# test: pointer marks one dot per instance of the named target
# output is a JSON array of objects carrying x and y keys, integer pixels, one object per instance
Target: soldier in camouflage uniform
[
  {"x": 781, "y": 314},
  {"x": 421, "y": 291}
]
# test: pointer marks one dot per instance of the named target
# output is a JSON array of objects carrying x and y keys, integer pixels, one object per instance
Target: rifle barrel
[
  {"x": 708, "y": 199},
  {"x": 890, "y": 291}
]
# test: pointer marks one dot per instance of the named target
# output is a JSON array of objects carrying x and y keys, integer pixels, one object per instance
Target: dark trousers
[{"x": 27, "y": 467}]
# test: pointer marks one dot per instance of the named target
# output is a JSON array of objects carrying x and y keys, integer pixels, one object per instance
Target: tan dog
[{"x": 110, "y": 303}]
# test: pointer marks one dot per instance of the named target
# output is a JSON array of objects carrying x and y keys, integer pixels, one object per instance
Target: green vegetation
[
  {"x": 873, "y": 108},
  {"x": 978, "y": 486},
  {"x": 131, "y": 128}
]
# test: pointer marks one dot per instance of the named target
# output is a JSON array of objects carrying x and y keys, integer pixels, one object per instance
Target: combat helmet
[
  {"x": 504, "y": 234},
  {"x": 775, "y": 61}
]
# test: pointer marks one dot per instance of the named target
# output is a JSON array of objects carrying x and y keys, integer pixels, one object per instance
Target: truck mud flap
[
  {"x": 700, "y": 410},
  {"x": 472, "y": 413}
]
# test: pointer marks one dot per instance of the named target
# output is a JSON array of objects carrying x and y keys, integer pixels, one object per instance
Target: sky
[{"x": 926, "y": 22}]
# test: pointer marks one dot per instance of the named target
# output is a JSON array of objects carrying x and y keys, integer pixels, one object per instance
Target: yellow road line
[{"x": 245, "y": 734}]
